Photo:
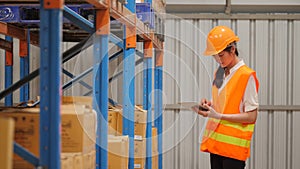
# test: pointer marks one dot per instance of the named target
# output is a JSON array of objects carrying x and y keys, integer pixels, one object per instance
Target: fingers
[
  {"x": 202, "y": 113},
  {"x": 205, "y": 101}
]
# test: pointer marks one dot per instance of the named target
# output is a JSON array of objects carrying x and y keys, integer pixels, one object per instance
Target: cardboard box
[
  {"x": 139, "y": 163},
  {"x": 140, "y": 129},
  {"x": 93, "y": 159},
  {"x": 66, "y": 162},
  {"x": 140, "y": 148},
  {"x": 81, "y": 160},
  {"x": 154, "y": 140},
  {"x": 118, "y": 149},
  {"x": 26, "y": 133},
  {"x": 6, "y": 142},
  {"x": 78, "y": 161},
  {"x": 78, "y": 130},
  {"x": 87, "y": 161},
  {"x": 139, "y": 153},
  {"x": 112, "y": 122},
  {"x": 83, "y": 100},
  {"x": 73, "y": 160},
  {"x": 140, "y": 119},
  {"x": 154, "y": 148},
  {"x": 155, "y": 161}
]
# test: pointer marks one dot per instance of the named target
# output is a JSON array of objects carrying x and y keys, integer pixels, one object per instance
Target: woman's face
[{"x": 225, "y": 58}]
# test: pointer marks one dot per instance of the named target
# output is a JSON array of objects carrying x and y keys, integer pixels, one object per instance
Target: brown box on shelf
[
  {"x": 26, "y": 133},
  {"x": 118, "y": 149},
  {"x": 84, "y": 100},
  {"x": 77, "y": 132},
  {"x": 66, "y": 162},
  {"x": 154, "y": 148},
  {"x": 6, "y": 142},
  {"x": 139, "y": 153},
  {"x": 139, "y": 163},
  {"x": 112, "y": 122},
  {"x": 78, "y": 161},
  {"x": 155, "y": 162},
  {"x": 154, "y": 140},
  {"x": 140, "y": 119},
  {"x": 140, "y": 129}
]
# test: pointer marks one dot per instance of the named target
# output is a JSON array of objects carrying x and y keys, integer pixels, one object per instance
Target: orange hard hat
[{"x": 218, "y": 39}]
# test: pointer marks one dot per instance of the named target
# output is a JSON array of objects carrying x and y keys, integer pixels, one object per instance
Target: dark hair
[
  {"x": 218, "y": 81},
  {"x": 228, "y": 48}
]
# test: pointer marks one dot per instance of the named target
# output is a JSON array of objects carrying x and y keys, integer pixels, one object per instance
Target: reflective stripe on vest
[
  {"x": 239, "y": 126},
  {"x": 227, "y": 139}
]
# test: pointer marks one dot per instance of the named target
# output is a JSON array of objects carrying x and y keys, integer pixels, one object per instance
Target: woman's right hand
[{"x": 205, "y": 101}]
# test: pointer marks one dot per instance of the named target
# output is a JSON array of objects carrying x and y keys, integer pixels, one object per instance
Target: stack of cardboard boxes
[
  {"x": 78, "y": 135},
  {"x": 115, "y": 122}
]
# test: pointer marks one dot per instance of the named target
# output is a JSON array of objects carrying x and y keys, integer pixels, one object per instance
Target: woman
[{"x": 233, "y": 110}]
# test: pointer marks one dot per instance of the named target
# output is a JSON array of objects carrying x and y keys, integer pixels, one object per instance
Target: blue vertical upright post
[
  {"x": 100, "y": 76},
  {"x": 128, "y": 83},
  {"x": 158, "y": 101},
  {"x": 50, "y": 87},
  {"x": 147, "y": 99},
  {"x": 24, "y": 66},
  {"x": 8, "y": 72}
]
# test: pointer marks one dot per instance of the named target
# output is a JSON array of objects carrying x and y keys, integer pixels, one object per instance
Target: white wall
[
  {"x": 268, "y": 46},
  {"x": 218, "y": 6},
  {"x": 237, "y": 2}
]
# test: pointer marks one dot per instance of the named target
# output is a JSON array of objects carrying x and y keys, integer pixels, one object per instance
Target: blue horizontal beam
[
  {"x": 67, "y": 55},
  {"x": 78, "y": 20},
  {"x": 87, "y": 25},
  {"x": 81, "y": 82},
  {"x": 116, "y": 40},
  {"x": 121, "y": 72},
  {"x": 26, "y": 155},
  {"x": 115, "y": 56},
  {"x": 77, "y": 79}
]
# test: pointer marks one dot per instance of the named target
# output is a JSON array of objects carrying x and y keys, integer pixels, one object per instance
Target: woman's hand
[
  {"x": 210, "y": 113},
  {"x": 205, "y": 101}
]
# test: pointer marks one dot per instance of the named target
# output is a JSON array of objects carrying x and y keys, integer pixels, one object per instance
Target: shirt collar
[{"x": 237, "y": 66}]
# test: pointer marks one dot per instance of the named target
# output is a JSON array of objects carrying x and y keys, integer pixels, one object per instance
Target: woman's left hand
[{"x": 211, "y": 113}]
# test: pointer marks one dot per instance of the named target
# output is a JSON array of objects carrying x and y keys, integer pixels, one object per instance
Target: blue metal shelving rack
[
  {"x": 50, "y": 70},
  {"x": 8, "y": 72}
]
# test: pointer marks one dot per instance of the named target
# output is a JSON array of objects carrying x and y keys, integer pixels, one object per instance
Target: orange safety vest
[{"x": 223, "y": 137}]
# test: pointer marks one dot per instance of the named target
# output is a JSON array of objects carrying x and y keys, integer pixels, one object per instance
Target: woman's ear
[{"x": 232, "y": 50}]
